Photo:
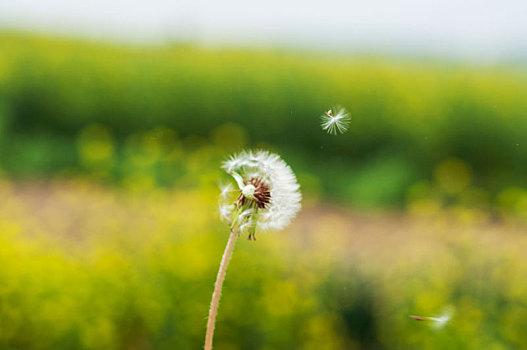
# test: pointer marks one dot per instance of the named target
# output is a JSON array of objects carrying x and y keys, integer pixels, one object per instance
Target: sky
[{"x": 477, "y": 30}]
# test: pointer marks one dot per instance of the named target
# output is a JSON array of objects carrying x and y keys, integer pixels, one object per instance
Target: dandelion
[
  {"x": 267, "y": 197},
  {"x": 267, "y": 186},
  {"x": 335, "y": 120}
]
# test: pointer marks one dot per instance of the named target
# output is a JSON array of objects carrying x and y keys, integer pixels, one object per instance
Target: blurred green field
[
  {"x": 408, "y": 117},
  {"x": 89, "y": 267}
]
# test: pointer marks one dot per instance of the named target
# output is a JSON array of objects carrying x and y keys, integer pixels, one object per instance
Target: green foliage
[
  {"x": 419, "y": 114},
  {"x": 85, "y": 267}
]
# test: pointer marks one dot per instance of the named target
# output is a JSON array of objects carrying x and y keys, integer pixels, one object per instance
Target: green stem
[{"x": 219, "y": 285}]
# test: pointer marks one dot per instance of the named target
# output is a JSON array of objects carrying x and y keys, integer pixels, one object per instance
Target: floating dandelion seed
[
  {"x": 268, "y": 197},
  {"x": 439, "y": 321},
  {"x": 335, "y": 120}
]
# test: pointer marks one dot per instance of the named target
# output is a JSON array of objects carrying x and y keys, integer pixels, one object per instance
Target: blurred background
[{"x": 115, "y": 117}]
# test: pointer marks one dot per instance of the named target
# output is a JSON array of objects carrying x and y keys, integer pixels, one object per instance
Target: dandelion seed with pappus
[
  {"x": 335, "y": 120},
  {"x": 437, "y": 321},
  {"x": 267, "y": 197}
]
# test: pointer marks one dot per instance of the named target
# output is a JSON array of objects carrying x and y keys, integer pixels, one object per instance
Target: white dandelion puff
[
  {"x": 335, "y": 120},
  {"x": 267, "y": 188}
]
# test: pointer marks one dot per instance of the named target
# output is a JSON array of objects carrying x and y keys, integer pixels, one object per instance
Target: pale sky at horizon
[{"x": 480, "y": 30}]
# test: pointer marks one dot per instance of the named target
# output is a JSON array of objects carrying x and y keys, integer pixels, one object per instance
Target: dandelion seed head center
[
  {"x": 248, "y": 191},
  {"x": 256, "y": 191}
]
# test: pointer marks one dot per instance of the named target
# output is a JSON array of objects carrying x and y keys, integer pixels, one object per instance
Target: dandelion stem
[{"x": 218, "y": 286}]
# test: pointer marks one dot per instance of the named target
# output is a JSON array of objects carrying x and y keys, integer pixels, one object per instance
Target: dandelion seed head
[
  {"x": 335, "y": 120},
  {"x": 268, "y": 186}
]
